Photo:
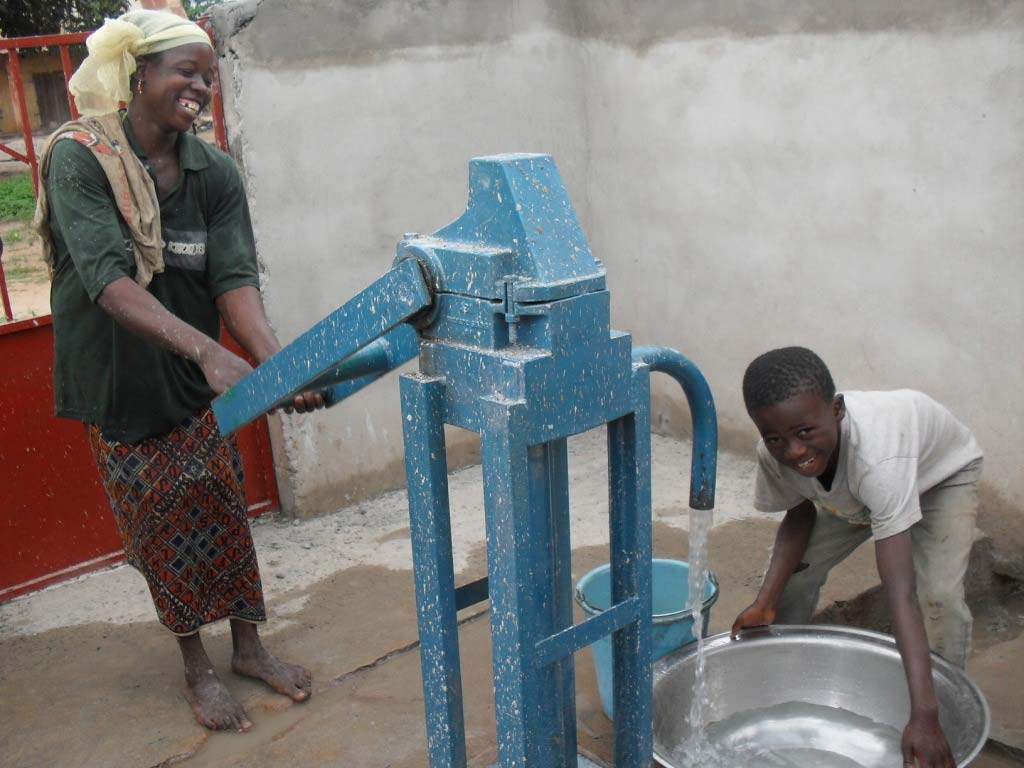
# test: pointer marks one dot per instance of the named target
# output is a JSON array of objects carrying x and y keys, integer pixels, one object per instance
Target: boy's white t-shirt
[{"x": 893, "y": 447}]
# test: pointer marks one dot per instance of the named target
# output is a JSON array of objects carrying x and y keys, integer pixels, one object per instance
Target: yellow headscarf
[{"x": 103, "y": 79}]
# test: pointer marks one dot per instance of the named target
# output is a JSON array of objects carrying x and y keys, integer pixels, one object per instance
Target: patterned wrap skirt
[{"x": 179, "y": 502}]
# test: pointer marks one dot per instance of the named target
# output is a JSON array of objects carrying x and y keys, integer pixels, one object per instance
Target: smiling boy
[{"x": 894, "y": 466}]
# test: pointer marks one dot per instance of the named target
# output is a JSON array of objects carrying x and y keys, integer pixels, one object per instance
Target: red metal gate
[{"x": 55, "y": 521}]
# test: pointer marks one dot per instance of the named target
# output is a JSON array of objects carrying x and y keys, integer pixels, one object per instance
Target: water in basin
[
  {"x": 793, "y": 735},
  {"x": 795, "y": 696}
]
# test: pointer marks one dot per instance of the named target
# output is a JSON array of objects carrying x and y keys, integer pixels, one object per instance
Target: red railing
[
  {"x": 12, "y": 46},
  {"x": 4, "y": 296}
]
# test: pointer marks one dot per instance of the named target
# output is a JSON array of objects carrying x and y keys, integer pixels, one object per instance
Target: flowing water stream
[{"x": 701, "y": 521}]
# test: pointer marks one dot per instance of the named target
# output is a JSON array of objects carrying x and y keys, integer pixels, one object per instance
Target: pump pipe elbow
[{"x": 704, "y": 459}]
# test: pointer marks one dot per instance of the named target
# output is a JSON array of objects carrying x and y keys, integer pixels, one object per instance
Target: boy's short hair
[{"x": 783, "y": 373}]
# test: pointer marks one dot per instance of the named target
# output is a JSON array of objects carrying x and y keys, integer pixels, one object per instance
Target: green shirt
[{"x": 104, "y": 374}]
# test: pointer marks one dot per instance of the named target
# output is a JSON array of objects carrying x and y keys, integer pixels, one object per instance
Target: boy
[{"x": 895, "y": 466}]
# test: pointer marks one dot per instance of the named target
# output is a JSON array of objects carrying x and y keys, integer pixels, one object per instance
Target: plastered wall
[
  {"x": 854, "y": 185},
  {"x": 355, "y": 123},
  {"x": 752, "y": 175}
]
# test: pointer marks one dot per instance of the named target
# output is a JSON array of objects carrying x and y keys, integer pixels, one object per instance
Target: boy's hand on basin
[
  {"x": 754, "y": 615},
  {"x": 924, "y": 740}
]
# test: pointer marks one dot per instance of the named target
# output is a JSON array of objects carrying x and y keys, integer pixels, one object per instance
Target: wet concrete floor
[{"x": 88, "y": 678}]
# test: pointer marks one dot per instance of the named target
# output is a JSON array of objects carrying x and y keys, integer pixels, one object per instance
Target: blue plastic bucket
[{"x": 673, "y": 623}]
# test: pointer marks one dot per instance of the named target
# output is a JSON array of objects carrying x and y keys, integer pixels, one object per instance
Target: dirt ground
[
  {"x": 88, "y": 678},
  {"x": 27, "y": 279},
  {"x": 28, "y": 283}
]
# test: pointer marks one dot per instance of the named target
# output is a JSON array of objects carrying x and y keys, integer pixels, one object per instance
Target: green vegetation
[
  {"x": 49, "y": 17},
  {"x": 22, "y": 256},
  {"x": 196, "y": 8},
  {"x": 17, "y": 201},
  {"x": 19, "y": 18},
  {"x": 25, "y": 273}
]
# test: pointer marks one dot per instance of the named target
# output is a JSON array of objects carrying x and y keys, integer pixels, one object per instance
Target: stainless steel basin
[{"x": 835, "y": 695}]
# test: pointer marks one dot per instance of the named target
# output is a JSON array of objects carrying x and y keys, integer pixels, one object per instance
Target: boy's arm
[
  {"x": 790, "y": 545},
  {"x": 923, "y": 737}
]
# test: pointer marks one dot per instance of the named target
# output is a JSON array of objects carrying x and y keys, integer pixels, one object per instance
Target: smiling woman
[
  {"x": 184, "y": 76},
  {"x": 147, "y": 231}
]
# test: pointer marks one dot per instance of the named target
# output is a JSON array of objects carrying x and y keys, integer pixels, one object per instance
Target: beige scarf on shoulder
[{"x": 133, "y": 189}]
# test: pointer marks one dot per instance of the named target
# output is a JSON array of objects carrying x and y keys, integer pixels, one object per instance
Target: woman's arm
[
  {"x": 790, "y": 545},
  {"x": 923, "y": 737},
  {"x": 140, "y": 312},
  {"x": 243, "y": 314}
]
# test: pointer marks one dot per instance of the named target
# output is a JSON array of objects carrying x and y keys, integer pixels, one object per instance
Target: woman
[{"x": 148, "y": 234}]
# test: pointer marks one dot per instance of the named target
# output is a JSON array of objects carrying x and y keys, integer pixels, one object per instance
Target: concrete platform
[
  {"x": 999, "y": 672},
  {"x": 88, "y": 678}
]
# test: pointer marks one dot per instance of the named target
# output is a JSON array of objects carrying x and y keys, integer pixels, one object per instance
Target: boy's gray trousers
[{"x": 942, "y": 542}]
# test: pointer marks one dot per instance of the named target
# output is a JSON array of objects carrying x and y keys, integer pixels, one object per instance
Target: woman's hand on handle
[
  {"x": 222, "y": 367},
  {"x": 306, "y": 401}
]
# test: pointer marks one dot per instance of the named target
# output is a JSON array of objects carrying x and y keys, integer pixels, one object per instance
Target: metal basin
[{"x": 831, "y": 697}]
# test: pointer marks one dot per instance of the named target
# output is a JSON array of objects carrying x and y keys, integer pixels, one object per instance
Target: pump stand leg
[
  {"x": 430, "y": 530},
  {"x": 527, "y": 695},
  {"x": 561, "y": 553},
  {"x": 629, "y": 470}
]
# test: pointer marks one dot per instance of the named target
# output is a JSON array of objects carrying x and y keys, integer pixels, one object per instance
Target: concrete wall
[
  {"x": 844, "y": 176},
  {"x": 854, "y": 185},
  {"x": 355, "y": 123}
]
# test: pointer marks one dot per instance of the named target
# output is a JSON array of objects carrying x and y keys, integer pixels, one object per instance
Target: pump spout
[{"x": 704, "y": 459}]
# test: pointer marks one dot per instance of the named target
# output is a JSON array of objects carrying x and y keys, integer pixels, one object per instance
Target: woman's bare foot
[
  {"x": 288, "y": 679},
  {"x": 251, "y": 659},
  {"x": 214, "y": 707}
]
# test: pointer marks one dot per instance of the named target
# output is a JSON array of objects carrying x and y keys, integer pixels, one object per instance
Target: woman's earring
[{"x": 140, "y": 87}]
